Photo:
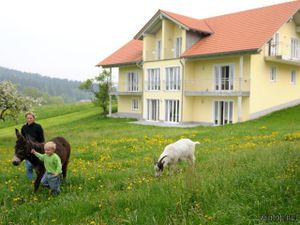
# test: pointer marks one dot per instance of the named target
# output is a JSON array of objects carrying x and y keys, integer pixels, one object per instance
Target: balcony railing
[
  {"x": 152, "y": 55},
  {"x": 284, "y": 50},
  {"x": 198, "y": 87},
  {"x": 125, "y": 88},
  {"x": 201, "y": 86},
  {"x": 219, "y": 87}
]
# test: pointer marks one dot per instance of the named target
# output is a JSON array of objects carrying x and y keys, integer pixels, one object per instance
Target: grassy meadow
[{"x": 247, "y": 173}]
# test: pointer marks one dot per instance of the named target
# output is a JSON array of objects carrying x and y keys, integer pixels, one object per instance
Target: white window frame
[
  {"x": 226, "y": 114},
  {"x": 295, "y": 48},
  {"x": 173, "y": 78},
  {"x": 273, "y": 74},
  {"x": 132, "y": 81},
  {"x": 152, "y": 109},
  {"x": 134, "y": 104},
  {"x": 178, "y": 47},
  {"x": 153, "y": 79},
  {"x": 293, "y": 77},
  {"x": 158, "y": 49},
  {"x": 273, "y": 45},
  {"x": 172, "y": 110},
  {"x": 220, "y": 83}
]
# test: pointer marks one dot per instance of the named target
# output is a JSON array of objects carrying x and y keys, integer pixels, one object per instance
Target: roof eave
[
  {"x": 119, "y": 64},
  {"x": 213, "y": 55}
]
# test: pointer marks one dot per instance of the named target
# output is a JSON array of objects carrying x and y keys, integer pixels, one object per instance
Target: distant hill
[{"x": 32, "y": 82}]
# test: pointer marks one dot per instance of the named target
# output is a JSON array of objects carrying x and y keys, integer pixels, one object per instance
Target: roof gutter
[
  {"x": 221, "y": 54},
  {"x": 118, "y": 64}
]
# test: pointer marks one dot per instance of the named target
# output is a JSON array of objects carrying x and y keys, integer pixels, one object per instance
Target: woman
[{"x": 36, "y": 133}]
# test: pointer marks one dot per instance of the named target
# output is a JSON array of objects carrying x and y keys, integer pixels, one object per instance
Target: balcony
[
  {"x": 125, "y": 88},
  {"x": 153, "y": 55},
  {"x": 283, "y": 52},
  {"x": 221, "y": 87}
]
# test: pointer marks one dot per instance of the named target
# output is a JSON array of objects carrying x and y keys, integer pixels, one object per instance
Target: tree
[
  {"x": 100, "y": 90},
  {"x": 11, "y": 103}
]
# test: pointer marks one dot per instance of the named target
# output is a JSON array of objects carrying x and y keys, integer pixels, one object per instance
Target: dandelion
[{"x": 16, "y": 199}]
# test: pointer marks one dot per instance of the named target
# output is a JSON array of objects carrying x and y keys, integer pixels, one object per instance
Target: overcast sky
[{"x": 67, "y": 38}]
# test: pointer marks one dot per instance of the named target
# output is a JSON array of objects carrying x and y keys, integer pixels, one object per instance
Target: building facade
[{"x": 213, "y": 71}]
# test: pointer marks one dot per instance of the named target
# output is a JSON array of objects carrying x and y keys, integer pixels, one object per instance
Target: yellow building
[{"x": 212, "y": 71}]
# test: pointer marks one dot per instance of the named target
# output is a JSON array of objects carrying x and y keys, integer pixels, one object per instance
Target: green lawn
[{"x": 246, "y": 173}]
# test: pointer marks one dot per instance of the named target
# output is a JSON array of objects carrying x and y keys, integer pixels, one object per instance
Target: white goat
[{"x": 184, "y": 149}]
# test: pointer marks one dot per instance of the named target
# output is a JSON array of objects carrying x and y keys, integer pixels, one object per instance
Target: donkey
[{"x": 23, "y": 151}]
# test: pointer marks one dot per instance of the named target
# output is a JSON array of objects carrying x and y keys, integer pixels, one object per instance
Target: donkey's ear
[{"x": 18, "y": 133}]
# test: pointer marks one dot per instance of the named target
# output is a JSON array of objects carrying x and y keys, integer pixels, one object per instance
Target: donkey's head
[{"x": 22, "y": 148}]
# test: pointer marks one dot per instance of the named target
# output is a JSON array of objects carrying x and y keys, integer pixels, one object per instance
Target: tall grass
[{"x": 246, "y": 173}]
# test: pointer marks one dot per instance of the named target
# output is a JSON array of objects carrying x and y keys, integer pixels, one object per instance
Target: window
[
  {"x": 135, "y": 104},
  {"x": 158, "y": 50},
  {"x": 224, "y": 78},
  {"x": 132, "y": 81},
  {"x": 153, "y": 79},
  {"x": 293, "y": 77},
  {"x": 153, "y": 109},
  {"x": 223, "y": 112},
  {"x": 172, "y": 111},
  {"x": 273, "y": 74},
  {"x": 173, "y": 78},
  {"x": 295, "y": 48},
  {"x": 273, "y": 45},
  {"x": 178, "y": 46}
]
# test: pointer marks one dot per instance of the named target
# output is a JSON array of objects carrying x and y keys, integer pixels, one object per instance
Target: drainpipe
[
  {"x": 181, "y": 114},
  {"x": 240, "y": 88},
  {"x": 140, "y": 65}
]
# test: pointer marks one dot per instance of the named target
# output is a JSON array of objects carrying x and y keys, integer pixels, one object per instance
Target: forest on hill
[{"x": 52, "y": 90}]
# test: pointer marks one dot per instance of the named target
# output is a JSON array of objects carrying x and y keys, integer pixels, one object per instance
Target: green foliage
[
  {"x": 37, "y": 85},
  {"x": 101, "y": 95},
  {"x": 244, "y": 173},
  {"x": 11, "y": 103},
  {"x": 45, "y": 98}
]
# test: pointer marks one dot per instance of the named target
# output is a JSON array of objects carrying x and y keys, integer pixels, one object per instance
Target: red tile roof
[
  {"x": 192, "y": 23},
  {"x": 242, "y": 31},
  {"x": 128, "y": 54}
]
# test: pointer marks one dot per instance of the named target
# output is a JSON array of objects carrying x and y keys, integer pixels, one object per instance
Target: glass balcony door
[
  {"x": 223, "y": 112},
  {"x": 224, "y": 78}
]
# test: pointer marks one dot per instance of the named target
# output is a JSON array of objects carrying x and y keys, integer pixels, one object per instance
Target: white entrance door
[{"x": 223, "y": 112}]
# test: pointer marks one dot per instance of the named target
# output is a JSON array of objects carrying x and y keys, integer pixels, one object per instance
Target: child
[{"x": 53, "y": 167}]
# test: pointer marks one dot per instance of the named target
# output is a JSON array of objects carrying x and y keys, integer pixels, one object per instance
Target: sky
[{"x": 67, "y": 38}]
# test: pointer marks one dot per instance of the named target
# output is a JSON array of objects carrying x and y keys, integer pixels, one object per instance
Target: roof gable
[{"x": 185, "y": 22}]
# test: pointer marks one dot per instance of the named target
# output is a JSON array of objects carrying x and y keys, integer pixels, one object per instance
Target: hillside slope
[
  {"x": 245, "y": 173},
  {"x": 53, "y": 86}
]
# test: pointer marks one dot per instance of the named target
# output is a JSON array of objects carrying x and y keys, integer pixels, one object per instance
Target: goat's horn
[{"x": 162, "y": 159}]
